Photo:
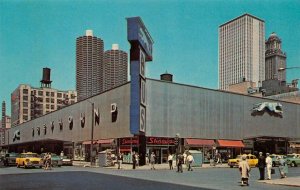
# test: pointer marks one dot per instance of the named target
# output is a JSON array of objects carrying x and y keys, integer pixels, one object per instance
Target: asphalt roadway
[{"x": 110, "y": 179}]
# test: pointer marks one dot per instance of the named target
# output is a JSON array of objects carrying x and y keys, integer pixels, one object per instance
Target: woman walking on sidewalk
[{"x": 152, "y": 160}]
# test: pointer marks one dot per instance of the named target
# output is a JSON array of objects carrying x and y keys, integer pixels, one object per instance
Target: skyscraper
[
  {"x": 275, "y": 59},
  {"x": 115, "y": 67},
  {"x": 241, "y": 51},
  {"x": 89, "y": 65},
  {"x": 3, "y": 121}
]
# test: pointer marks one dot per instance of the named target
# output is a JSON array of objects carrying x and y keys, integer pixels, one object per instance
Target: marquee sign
[{"x": 140, "y": 52}]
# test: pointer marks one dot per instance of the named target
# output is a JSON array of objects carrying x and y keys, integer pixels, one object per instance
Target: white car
[{"x": 66, "y": 161}]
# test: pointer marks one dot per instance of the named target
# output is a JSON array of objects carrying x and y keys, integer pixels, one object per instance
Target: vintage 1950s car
[
  {"x": 28, "y": 160},
  {"x": 251, "y": 159}
]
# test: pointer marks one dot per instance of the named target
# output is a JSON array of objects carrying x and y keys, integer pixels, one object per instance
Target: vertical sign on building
[{"x": 140, "y": 52}]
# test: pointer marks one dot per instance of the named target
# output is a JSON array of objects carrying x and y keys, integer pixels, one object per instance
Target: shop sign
[
  {"x": 129, "y": 141},
  {"x": 160, "y": 141}
]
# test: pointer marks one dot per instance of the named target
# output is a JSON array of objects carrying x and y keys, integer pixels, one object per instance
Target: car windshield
[
  {"x": 13, "y": 154},
  {"x": 29, "y": 155}
]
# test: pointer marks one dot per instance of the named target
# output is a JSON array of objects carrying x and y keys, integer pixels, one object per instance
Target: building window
[
  {"x": 25, "y": 104},
  {"x": 52, "y": 94},
  {"x": 52, "y": 100},
  {"x": 25, "y": 111},
  {"x": 52, "y": 107},
  {"x": 25, "y": 91},
  {"x": 47, "y": 106},
  {"x": 25, "y": 98},
  {"x": 47, "y": 100},
  {"x": 47, "y": 93},
  {"x": 59, "y": 95},
  {"x": 40, "y": 93}
]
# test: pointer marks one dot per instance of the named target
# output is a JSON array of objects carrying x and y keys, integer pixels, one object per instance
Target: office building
[
  {"x": 241, "y": 51},
  {"x": 275, "y": 59},
  {"x": 89, "y": 65},
  {"x": 115, "y": 67}
]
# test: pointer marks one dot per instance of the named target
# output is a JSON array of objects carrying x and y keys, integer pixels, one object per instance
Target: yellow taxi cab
[
  {"x": 251, "y": 159},
  {"x": 29, "y": 159}
]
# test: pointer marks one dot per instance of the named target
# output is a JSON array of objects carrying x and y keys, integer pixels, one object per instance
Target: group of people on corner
[
  {"x": 267, "y": 163},
  {"x": 185, "y": 158},
  {"x": 263, "y": 163}
]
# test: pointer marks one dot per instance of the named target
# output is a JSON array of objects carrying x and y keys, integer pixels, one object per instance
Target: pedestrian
[
  {"x": 137, "y": 157},
  {"x": 189, "y": 161},
  {"x": 120, "y": 160},
  {"x": 184, "y": 158},
  {"x": 269, "y": 165},
  {"x": 170, "y": 160},
  {"x": 219, "y": 158},
  {"x": 152, "y": 160},
  {"x": 45, "y": 161},
  {"x": 180, "y": 161},
  {"x": 261, "y": 166},
  {"x": 245, "y": 170},
  {"x": 283, "y": 168},
  {"x": 133, "y": 160},
  {"x": 147, "y": 158}
]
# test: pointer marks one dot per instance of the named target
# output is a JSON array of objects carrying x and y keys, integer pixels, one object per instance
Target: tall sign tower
[{"x": 140, "y": 53}]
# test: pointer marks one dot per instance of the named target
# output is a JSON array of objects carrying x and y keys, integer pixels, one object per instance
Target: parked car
[
  {"x": 28, "y": 159},
  {"x": 66, "y": 161},
  {"x": 251, "y": 159},
  {"x": 55, "y": 160},
  {"x": 293, "y": 160},
  {"x": 275, "y": 159},
  {"x": 9, "y": 159}
]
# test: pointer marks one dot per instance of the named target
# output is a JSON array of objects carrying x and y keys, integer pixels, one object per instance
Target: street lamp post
[{"x": 92, "y": 133}]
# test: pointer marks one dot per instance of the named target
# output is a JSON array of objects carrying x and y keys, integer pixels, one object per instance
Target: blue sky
[{"x": 36, "y": 34}]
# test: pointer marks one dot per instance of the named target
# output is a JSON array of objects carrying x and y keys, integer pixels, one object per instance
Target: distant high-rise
[
  {"x": 115, "y": 67},
  {"x": 241, "y": 51},
  {"x": 89, "y": 65},
  {"x": 3, "y": 121},
  {"x": 275, "y": 59}
]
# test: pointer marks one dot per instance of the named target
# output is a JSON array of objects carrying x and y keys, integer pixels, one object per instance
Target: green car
[{"x": 293, "y": 159}]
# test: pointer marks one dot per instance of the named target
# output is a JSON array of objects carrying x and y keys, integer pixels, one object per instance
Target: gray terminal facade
[{"x": 172, "y": 108}]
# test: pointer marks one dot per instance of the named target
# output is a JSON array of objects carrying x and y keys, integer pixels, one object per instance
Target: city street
[{"x": 101, "y": 178}]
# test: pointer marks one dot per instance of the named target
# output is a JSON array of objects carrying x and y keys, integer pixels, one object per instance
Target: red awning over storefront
[
  {"x": 105, "y": 141},
  {"x": 228, "y": 143},
  {"x": 200, "y": 142}
]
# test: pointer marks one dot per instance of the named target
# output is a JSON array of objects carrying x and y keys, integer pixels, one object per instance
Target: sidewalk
[
  {"x": 145, "y": 167},
  {"x": 289, "y": 181}
]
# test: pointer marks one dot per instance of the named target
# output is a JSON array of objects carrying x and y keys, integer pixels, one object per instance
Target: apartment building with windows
[
  {"x": 28, "y": 102},
  {"x": 115, "y": 67}
]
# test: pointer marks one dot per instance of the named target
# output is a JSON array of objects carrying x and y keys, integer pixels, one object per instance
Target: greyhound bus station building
[{"x": 145, "y": 115}]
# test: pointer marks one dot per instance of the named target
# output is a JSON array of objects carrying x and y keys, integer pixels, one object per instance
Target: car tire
[
  {"x": 293, "y": 164},
  {"x": 231, "y": 166}
]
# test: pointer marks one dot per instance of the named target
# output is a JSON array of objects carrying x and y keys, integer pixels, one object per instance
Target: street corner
[{"x": 289, "y": 181}]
